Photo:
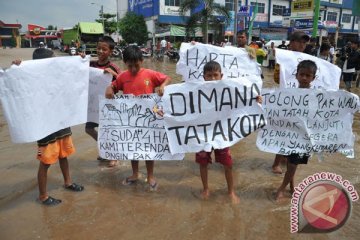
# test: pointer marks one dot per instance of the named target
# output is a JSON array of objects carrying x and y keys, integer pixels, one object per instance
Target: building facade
[
  {"x": 273, "y": 19},
  {"x": 9, "y": 34}
]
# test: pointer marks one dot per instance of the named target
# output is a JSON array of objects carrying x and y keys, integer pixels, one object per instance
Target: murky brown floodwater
[{"x": 108, "y": 210}]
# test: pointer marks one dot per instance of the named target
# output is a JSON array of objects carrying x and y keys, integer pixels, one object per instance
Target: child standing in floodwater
[
  {"x": 104, "y": 48},
  {"x": 52, "y": 148},
  {"x": 212, "y": 72},
  {"x": 137, "y": 80},
  {"x": 306, "y": 72}
]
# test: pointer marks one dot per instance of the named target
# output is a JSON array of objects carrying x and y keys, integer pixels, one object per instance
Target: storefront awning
[
  {"x": 41, "y": 36},
  {"x": 91, "y": 27},
  {"x": 177, "y": 31}
]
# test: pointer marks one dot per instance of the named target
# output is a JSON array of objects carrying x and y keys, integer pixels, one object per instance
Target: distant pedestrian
[
  {"x": 271, "y": 55},
  {"x": 283, "y": 45}
]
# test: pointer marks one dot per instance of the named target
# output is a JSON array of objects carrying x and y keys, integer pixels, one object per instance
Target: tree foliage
[
  {"x": 109, "y": 22},
  {"x": 51, "y": 27},
  {"x": 133, "y": 28},
  {"x": 209, "y": 13}
]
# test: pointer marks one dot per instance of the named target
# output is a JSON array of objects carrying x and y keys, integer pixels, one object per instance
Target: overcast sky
[{"x": 60, "y": 13}]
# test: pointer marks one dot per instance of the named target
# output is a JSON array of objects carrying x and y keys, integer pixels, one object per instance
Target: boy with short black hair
[
  {"x": 105, "y": 46},
  {"x": 306, "y": 72},
  {"x": 298, "y": 41},
  {"x": 137, "y": 81},
  {"x": 212, "y": 72}
]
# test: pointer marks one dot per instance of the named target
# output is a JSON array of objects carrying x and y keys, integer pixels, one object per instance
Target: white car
[{"x": 276, "y": 43}]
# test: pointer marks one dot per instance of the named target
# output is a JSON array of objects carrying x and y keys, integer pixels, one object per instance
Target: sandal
[
  {"x": 153, "y": 187},
  {"x": 50, "y": 201},
  {"x": 101, "y": 159},
  {"x": 74, "y": 187},
  {"x": 128, "y": 181}
]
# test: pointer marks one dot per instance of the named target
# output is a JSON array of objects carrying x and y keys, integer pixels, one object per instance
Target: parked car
[
  {"x": 276, "y": 43},
  {"x": 55, "y": 44}
]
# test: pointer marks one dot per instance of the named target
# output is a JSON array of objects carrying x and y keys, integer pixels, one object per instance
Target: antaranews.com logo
[{"x": 322, "y": 202}]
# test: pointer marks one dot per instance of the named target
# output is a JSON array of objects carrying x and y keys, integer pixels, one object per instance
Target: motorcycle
[
  {"x": 73, "y": 51},
  {"x": 117, "y": 52},
  {"x": 173, "y": 55},
  {"x": 146, "y": 52}
]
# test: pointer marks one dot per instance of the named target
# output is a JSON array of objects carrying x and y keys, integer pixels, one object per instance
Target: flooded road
[{"x": 109, "y": 210}]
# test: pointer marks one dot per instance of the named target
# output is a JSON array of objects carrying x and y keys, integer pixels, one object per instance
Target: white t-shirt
[{"x": 163, "y": 43}]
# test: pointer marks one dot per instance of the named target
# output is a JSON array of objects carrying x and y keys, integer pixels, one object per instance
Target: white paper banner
[
  {"x": 327, "y": 76},
  {"x": 215, "y": 114},
  {"x": 40, "y": 97},
  {"x": 234, "y": 62},
  {"x": 98, "y": 82},
  {"x": 131, "y": 128},
  {"x": 307, "y": 120}
]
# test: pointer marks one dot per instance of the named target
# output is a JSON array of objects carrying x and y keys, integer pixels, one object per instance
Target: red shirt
[
  {"x": 110, "y": 65},
  {"x": 144, "y": 82}
]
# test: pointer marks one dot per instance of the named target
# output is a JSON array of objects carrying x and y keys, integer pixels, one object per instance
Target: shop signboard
[
  {"x": 302, "y": 8},
  {"x": 245, "y": 11},
  {"x": 303, "y": 23}
]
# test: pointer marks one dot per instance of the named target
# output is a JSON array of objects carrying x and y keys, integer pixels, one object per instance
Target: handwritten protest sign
[
  {"x": 327, "y": 75},
  {"x": 234, "y": 62},
  {"x": 307, "y": 120},
  {"x": 98, "y": 81},
  {"x": 215, "y": 114},
  {"x": 132, "y": 128},
  {"x": 40, "y": 97}
]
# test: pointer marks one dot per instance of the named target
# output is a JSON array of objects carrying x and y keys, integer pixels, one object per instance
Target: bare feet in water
[
  {"x": 205, "y": 194},
  {"x": 112, "y": 163},
  {"x": 234, "y": 198},
  {"x": 276, "y": 169},
  {"x": 280, "y": 196}
]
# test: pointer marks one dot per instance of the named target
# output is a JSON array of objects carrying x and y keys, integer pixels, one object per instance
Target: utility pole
[
  {"x": 102, "y": 16},
  {"x": 316, "y": 18},
  {"x": 117, "y": 16},
  {"x": 236, "y": 7}
]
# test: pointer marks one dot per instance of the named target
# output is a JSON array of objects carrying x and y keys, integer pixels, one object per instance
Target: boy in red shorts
[
  {"x": 212, "y": 72},
  {"x": 137, "y": 81},
  {"x": 104, "y": 49},
  {"x": 54, "y": 147}
]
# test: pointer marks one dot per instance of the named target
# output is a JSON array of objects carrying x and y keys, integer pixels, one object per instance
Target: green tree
[
  {"x": 133, "y": 28},
  {"x": 50, "y": 27},
  {"x": 76, "y": 27},
  {"x": 208, "y": 14},
  {"x": 109, "y": 22}
]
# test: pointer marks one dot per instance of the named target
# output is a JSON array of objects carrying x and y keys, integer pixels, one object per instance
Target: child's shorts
[
  {"x": 91, "y": 125},
  {"x": 61, "y": 148},
  {"x": 296, "y": 158},
  {"x": 222, "y": 156}
]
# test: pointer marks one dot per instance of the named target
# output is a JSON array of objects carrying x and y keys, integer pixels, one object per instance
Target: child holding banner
[
  {"x": 212, "y": 72},
  {"x": 54, "y": 147},
  {"x": 297, "y": 43},
  {"x": 137, "y": 81},
  {"x": 105, "y": 46},
  {"x": 305, "y": 74}
]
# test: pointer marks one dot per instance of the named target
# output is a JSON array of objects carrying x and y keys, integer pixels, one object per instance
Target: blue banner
[
  {"x": 147, "y": 8},
  {"x": 230, "y": 28},
  {"x": 303, "y": 23}
]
